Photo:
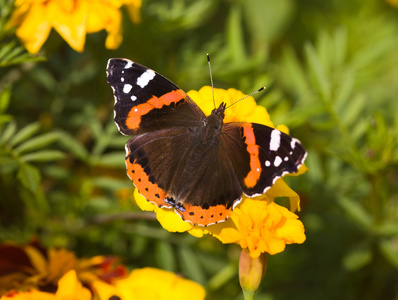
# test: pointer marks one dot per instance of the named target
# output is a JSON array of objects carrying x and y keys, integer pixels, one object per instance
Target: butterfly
[{"x": 181, "y": 159}]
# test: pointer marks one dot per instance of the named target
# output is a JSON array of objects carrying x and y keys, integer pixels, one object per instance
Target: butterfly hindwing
[
  {"x": 169, "y": 168},
  {"x": 142, "y": 96}
]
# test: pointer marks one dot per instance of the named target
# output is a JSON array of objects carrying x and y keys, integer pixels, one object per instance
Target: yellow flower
[
  {"x": 69, "y": 288},
  {"x": 243, "y": 111},
  {"x": 148, "y": 284},
  {"x": 263, "y": 227},
  {"x": 72, "y": 19}
]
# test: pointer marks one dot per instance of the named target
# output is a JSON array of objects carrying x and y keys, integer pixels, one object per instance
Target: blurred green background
[{"x": 331, "y": 71}]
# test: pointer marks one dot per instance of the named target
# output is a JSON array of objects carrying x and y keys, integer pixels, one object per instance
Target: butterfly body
[{"x": 182, "y": 159}]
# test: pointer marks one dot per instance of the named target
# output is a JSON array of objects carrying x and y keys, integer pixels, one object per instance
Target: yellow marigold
[
  {"x": 72, "y": 19},
  {"x": 243, "y": 111},
  {"x": 69, "y": 288},
  {"x": 148, "y": 284},
  {"x": 263, "y": 227}
]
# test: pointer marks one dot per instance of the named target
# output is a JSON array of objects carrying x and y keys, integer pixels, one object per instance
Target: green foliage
[
  {"x": 10, "y": 52},
  {"x": 331, "y": 76}
]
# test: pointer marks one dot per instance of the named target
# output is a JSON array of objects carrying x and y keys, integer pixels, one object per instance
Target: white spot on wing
[
  {"x": 127, "y": 88},
  {"x": 275, "y": 140},
  {"x": 293, "y": 143},
  {"x": 129, "y": 64},
  {"x": 277, "y": 161},
  {"x": 133, "y": 98},
  {"x": 122, "y": 79},
  {"x": 145, "y": 77},
  {"x": 286, "y": 158},
  {"x": 267, "y": 163}
]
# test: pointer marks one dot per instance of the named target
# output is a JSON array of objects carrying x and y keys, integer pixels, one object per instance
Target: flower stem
[{"x": 248, "y": 295}]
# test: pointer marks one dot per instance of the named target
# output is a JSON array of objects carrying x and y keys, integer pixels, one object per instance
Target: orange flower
[{"x": 72, "y": 19}]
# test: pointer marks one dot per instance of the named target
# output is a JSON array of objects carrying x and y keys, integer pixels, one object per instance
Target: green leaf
[
  {"x": 344, "y": 89},
  {"x": 317, "y": 72},
  {"x": 12, "y": 54},
  {"x": 340, "y": 47},
  {"x": 293, "y": 71},
  {"x": 113, "y": 159},
  {"x": 324, "y": 49},
  {"x": 8, "y": 132},
  {"x": 389, "y": 250},
  {"x": 118, "y": 141},
  {"x": 43, "y": 156},
  {"x": 359, "y": 129},
  {"x": 73, "y": 145},
  {"x": 38, "y": 142},
  {"x": 109, "y": 183},
  {"x": 139, "y": 245},
  {"x": 356, "y": 212},
  {"x": 5, "y": 49},
  {"x": 353, "y": 109},
  {"x": 45, "y": 78},
  {"x": 8, "y": 164},
  {"x": 276, "y": 15},
  {"x": 165, "y": 257},
  {"x": 389, "y": 229},
  {"x": 191, "y": 266},
  {"x": 222, "y": 277},
  {"x": 5, "y": 97},
  {"x": 235, "y": 35},
  {"x": 358, "y": 257},
  {"x": 29, "y": 176},
  {"x": 5, "y": 119},
  {"x": 25, "y": 133}
]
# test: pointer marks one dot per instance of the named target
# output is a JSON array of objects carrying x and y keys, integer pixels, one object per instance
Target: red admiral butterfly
[{"x": 179, "y": 158}]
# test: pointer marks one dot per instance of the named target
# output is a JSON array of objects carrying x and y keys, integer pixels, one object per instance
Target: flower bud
[{"x": 251, "y": 272}]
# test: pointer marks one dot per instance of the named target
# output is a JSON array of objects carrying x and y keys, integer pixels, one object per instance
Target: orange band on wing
[
  {"x": 198, "y": 215},
  {"x": 253, "y": 176},
  {"x": 133, "y": 119},
  {"x": 151, "y": 191}
]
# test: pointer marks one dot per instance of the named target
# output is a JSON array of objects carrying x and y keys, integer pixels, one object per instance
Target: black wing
[
  {"x": 170, "y": 169},
  {"x": 146, "y": 101},
  {"x": 260, "y": 155}
]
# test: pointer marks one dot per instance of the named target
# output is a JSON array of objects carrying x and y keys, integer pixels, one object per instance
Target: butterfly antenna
[
  {"x": 255, "y": 92},
  {"x": 211, "y": 80}
]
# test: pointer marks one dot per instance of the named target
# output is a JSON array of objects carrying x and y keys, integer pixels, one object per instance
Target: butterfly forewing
[
  {"x": 261, "y": 155},
  {"x": 146, "y": 101}
]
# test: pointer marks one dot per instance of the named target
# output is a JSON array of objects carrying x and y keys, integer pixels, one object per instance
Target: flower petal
[
  {"x": 70, "y": 24},
  {"x": 134, "y": 11},
  {"x": 171, "y": 221},
  {"x": 166, "y": 217},
  {"x": 34, "y": 29},
  {"x": 281, "y": 189},
  {"x": 263, "y": 227},
  {"x": 141, "y": 282},
  {"x": 70, "y": 288}
]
